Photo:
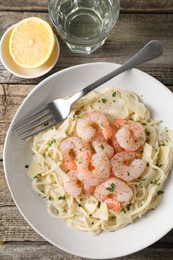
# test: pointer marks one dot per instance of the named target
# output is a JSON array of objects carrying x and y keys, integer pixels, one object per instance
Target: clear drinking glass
[{"x": 84, "y": 24}]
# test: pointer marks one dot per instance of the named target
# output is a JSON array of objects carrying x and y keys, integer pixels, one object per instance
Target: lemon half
[{"x": 31, "y": 42}]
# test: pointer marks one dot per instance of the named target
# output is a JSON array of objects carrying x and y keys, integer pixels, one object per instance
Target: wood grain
[
  {"x": 126, "y": 5},
  {"x": 139, "y": 22},
  {"x": 131, "y": 33},
  {"x": 45, "y": 251}
]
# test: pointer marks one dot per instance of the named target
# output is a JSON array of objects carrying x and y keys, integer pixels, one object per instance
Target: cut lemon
[{"x": 31, "y": 42}]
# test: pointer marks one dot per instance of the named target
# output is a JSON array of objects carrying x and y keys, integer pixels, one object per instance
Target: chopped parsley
[
  {"x": 53, "y": 141},
  {"x": 102, "y": 146},
  {"x": 128, "y": 206},
  {"x": 123, "y": 211},
  {"x": 141, "y": 138},
  {"x": 79, "y": 160},
  {"x": 99, "y": 204},
  {"x": 38, "y": 175},
  {"x": 44, "y": 155},
  {"x": 111, "y": 188},
  {"x": 26, "y": 166},
  {"x": 62, "y": 197},
  {"x": 148, "y": 164},
  {"x": 92, "y": 223},
  {"x": 50, "y": 198},
  {"x": 142, "y": 179},
  {"x": 156, "y": 182},
  {"x": 160, "y": 192},
  {"x": 79, "y": 205},
  {"x": 104, "y": 100},
  {"x": 114, "y": 94}
]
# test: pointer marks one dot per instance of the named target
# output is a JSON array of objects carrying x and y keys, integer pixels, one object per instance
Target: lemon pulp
[{"x": 31, "y": 42}]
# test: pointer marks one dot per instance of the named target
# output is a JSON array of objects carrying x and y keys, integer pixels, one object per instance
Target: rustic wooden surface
[{"x": 139, "y": 22}]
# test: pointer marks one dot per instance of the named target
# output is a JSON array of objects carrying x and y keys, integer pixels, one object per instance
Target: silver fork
[{"x": 58, "y": 110}]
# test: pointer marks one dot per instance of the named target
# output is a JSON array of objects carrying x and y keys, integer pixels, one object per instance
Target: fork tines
[{"x": 42, "y": 116}]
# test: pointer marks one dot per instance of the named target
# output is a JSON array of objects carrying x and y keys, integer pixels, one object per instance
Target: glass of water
[{"x": 84, "y": 24}]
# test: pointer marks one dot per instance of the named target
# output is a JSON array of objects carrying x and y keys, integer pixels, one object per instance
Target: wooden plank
[
  {"x": 43, "y": 250},
  {"x": 128, "y": 36},
  {"x": 126, "y": 5},
  {"x": 6, "y": 199},
  {"x": 11, "y": 97},
  {"x": 13, "y": 227},
  {"x": 146, "y": 6},
  {"x": 4, "y": 128}
]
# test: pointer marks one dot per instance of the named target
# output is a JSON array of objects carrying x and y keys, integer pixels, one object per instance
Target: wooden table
[{"x": 139, "y": 22}]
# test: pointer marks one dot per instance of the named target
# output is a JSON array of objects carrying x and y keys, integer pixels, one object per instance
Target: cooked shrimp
[
  {"x": 101, "y": 145},
  {"x": 114, "y": 189},
  {"x": 100, "y": 173},
  {"x": 87, "y": 126},
  {"x": 88, "y": 190},
  {"x": 130, "y": 134},
  {"x": 72, "y": 175},
  {"x": 73, "y": 188},
  {"x": 76, "y": 153},
  {"x": 115, "y": 144},
  {"x": 113, "y": 204},
  {"x": 126, "y": 167}
]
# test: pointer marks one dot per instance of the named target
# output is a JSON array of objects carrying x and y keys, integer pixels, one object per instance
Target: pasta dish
[{"x": 105, "y": 165}]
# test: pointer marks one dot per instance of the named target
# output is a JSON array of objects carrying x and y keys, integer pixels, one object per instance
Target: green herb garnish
[
  {"x": 99, "y": 204},
  {"x": 102, "y": 146},
  {"x": 62, "y": 197},
  {"x": 38, "y": 175},
  {"x": 26, "y": 166},
  {"x": 142, "y": 179},
  {"x": 111, "y": 188},
  {"x": 141, "y": 138},
  {"x": 53, "y": 141},
  {"x": 79, "y": 160},
  {"x": 156, "y": 182},
  {"x": 104, "y": 100},
  {"x": 114, "y": 94},
  {"x": 160, "y": 192}
]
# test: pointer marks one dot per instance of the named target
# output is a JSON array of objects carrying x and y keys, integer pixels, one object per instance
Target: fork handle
[{"x": 150, "y": 51}]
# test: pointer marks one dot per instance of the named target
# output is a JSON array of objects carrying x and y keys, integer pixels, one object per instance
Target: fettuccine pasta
[{"x": 85, "y": 212}]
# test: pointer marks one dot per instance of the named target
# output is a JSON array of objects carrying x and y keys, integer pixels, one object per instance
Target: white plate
[
  {"x": 17, "y": 154},
  {"x": 17, "y": 70}
]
